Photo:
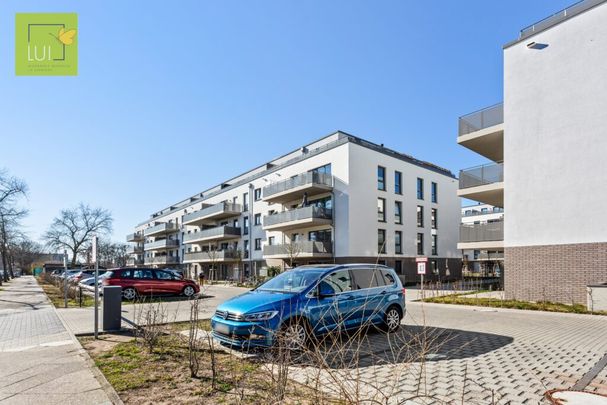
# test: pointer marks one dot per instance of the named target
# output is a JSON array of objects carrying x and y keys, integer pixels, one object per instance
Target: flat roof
[
  {"x": 555, "y": 19},
  {"x": 279, "y": 163}
]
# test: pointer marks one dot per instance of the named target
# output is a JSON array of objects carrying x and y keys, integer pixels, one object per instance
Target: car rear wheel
[
  {"x": 129, "y": 293},
  {"x": 189, "y": 291},
  {"x": 392, "y": 319}
]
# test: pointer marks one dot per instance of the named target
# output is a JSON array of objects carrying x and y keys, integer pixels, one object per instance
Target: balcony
[
  {"x": 483, "y": 183},
  {"x": 483, "y": 132},
  {"x": 160, "y": 260},
  {"x": 490, "y": 256},
  {"x": 212, "y": 213},
  {"x": 212, "y": 256},
  {"x": 294, "y": 188},
  {"x": 297, "y": 250},
  {"x": 213, "y": 234},
  {"x": 134, "y": 261},
  {"x": 297, "y": 218},
  {"x": 167, "y": 227},
  {"x": 489, "y": 235},
  {"x": 162, "y": 245},
  {"x": 134, "y": 237},
  {"x": 134, "y": 249}
]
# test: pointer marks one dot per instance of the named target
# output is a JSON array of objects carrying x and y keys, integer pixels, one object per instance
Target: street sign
[
  {"x": 94, "y": 249},
  {"x": 421, "y": 268},
  {"x": 421, "y": 259}
]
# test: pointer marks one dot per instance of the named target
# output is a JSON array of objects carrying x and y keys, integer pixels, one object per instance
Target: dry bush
[{"x": 151, "y": 319}]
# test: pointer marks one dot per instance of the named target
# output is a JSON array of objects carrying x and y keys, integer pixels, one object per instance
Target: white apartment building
[
  {"x": 481, "y": 240},
  {"x": 340, "y": 199},
  {"x": 548, "y": 144}
]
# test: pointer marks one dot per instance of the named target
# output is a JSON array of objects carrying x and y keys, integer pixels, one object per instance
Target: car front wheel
[
  {"x": 294, "y": 336},
  {"x": 129, "y": 293},
  {"x": 188, "y": 291}
]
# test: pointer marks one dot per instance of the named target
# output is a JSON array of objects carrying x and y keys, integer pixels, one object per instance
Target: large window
[
  {"x": 257, "y": 194},
  {"x": 257, "y": 219},
  {"x": 420, "y": 188},
  {"x": 398, "y": 242},
  {"x": 326, "y": 169},
  {"x": 336, "y": 283},
  {"x": 381, "y": 241},
  {"x": 245, "y": 202},
  {"x": 381, "y": 178},
  {"x": 420, "y": 216},
  {"x": 245, "y": 230},
  {"x": 434, "y": 192},
  {"x": 366, "y": 278},
  {"x": 381, "y": 209},
  {"x": 434, "y": 244},
  {"x": 398, "y": 212},
  {"x": 434, "y": 218},
  {"x": 398, "y": 182},
  {"x": 320, "y": 236},
  {"x": 258, "y": 244},
  {"x": 420, "y": 243}
]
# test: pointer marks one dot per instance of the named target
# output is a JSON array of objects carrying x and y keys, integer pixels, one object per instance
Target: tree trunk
[{"x": 3, "y": 250}]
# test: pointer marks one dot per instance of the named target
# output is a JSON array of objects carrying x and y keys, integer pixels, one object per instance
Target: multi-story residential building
[
  {"x": 547, "y": 143},
  {"x": 481, "y": 239},
  {"x": 339, "y": 199}
]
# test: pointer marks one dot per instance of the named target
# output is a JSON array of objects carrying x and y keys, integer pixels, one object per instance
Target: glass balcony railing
[
  {"x": 162, "y": 260},
  {"x": 134, "y": 237},
  {"x": 167, "y": 227},
  {"x": 485, "y": 118},
  {"x": 160, "y": 244},
  {"x": 214, "y": 255},
  {"x": 303, "y": 179},
  {"x": 298, "y": 248},
  {"x": 481, "y": 175},
  {"x": 221, "y": 209},
  {"x": 212, "y": 233},
  {"x": 298, "y": 214},
  {"x": 487, "y": 232}
]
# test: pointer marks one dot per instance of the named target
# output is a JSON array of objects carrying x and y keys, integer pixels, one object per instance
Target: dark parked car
[{"x": 144, "y": 281}]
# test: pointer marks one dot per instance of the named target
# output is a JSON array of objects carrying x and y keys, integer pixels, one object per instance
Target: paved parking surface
[{"x": 39, "y": 360}]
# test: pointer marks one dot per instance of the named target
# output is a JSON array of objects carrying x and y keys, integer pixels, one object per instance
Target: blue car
[{"x": 310, "y": 301}]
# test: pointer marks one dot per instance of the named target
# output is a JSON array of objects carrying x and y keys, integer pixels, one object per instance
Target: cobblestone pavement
[
  {"x": 39, "y": 360},
  {"x": 464, "y": 354}
]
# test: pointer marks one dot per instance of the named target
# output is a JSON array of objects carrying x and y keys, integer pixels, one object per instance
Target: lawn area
[
  {"x": 56, "y": 296},
  {"x": 465, "y": 299},
  {"x": 163, "y": 376}
]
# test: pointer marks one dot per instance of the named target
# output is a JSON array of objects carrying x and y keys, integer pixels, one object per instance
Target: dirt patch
[{"x": 105, "y": 343}]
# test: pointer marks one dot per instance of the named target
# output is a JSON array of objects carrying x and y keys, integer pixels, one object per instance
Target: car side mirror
[{"x": 324, "y": 290}]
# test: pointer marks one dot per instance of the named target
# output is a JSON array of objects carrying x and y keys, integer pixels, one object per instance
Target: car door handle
[{"x": 384, "y": 292}]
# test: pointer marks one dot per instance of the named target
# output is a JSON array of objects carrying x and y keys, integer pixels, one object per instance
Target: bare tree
[
  {"x": 292, "y": 249},
  {"x": 12, "y": 189},
  {"x": 74, "y": 228},
  {"x": 110, "y": 254},
  {"x": 212, "y": 253}
]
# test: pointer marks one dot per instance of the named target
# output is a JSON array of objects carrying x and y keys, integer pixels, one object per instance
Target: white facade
[{"x": 344, "y": 227}]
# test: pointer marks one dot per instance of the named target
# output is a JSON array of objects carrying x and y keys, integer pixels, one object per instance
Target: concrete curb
[{"x": 105, "y": 385}]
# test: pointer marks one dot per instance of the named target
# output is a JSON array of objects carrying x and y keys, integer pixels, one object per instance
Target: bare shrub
[
  {"x": 193, "y": 340},
  {"x": 151, "y": 319}
]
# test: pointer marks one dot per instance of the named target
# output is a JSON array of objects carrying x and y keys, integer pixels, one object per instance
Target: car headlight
[{"x": 260, "y": 316}]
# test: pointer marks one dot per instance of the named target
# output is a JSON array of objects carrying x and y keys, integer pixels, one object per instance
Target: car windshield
[{"x": 292, "y": 281}]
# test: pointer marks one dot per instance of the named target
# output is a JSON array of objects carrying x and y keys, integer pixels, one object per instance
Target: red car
[{"x": 142, "y": 281}]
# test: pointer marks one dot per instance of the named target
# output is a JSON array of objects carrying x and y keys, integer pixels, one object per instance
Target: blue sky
[{"x": 173, "y": 97}]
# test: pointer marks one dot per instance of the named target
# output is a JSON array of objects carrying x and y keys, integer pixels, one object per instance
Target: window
[
  {"x": 398, "y": 215},
  {"x": 398, "y": 244},
  {"x": 434, "y": 245},
  {"x": 381, "y": 209},
  {"x": 245, "y": 202},
  {"x": 163, "y": 275},
  {"x": 398, "y": 267},
  {"x": 143, "y": 274},
  {"x": 271, "y": 240},
  {"x": 388, "y": 277},
  {"x": 434, "y": 192},
  {"x": 245, "y": 230},
  {"x": 366, "y": 278},
  {"x": 324, "y": 202},
  {"x": 434, "y": 266},
  {"x": 246, "y": 247},
  {"x": 235, "y": 223},
  {"x": 420, "y": 243},
  {"x": 420, "y": 188},
  {"x": 326, "y": 169},
  {"x": 381, "y": 178},
  {"x": 257, "y": 219},
  {"x": 434, "y": 218},
  {"x": 257, "y": 194},
  {"x": 420, "y": 216},
  {"x": 258, "y": 244},
  {"x": 398, "y": 182},
  {"x": 336, "y": 283},
  {"x": 320, "y": 236},
  {"x": 381, "y": 241}
]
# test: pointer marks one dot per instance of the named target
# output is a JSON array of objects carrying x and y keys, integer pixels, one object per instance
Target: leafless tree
[
  {"x": 12, "y": 189},
  {"x": 110, "y": 254},
  {"x": 292, "y": 249},
  {"x": 212, "y": 253},
  {"x": 74, "y": 228}
]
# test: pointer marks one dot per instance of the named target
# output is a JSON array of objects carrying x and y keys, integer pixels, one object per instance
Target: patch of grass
[
  {"x": 203, "y": 324},
  {"x": 457, "y": 299},
  {"x": 56, "y": 296}
]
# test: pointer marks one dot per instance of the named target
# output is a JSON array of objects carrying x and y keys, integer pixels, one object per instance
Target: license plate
[{"x": 221, "y": 328}]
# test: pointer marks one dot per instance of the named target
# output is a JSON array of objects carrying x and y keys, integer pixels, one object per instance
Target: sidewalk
[{"x": 40, "y": 361}]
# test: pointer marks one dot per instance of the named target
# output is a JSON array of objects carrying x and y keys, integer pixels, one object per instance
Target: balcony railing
[
  {"x": 217, "y": 232},
  {"x": 213, "y": 211},
  {"x": 298, "y": 248},
  {"x": 161, "y": 228},
  {"x": 488, "y": 232},
  {"x": 485, "y": 118},
  {"x": 216, "y": 255},
  {"x": 134, "y": 249},
  {"x": 473, "y": 212},
  {"x": 481, "y": 175},
  {"x": 162, "y": 260},
  {"x": 164, "y": 243},
  {"x": 298, "y": 214},
  {"x": 491, "y": 256},
  {"x": 303, "y": 179},
  {"x": 132, "y": 261},
  {"x": 134, "y": 237}
]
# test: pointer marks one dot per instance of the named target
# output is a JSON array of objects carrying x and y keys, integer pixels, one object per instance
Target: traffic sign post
[
  {"x": 94, "y": 253},
  {"x": 421, "y": 270}
]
